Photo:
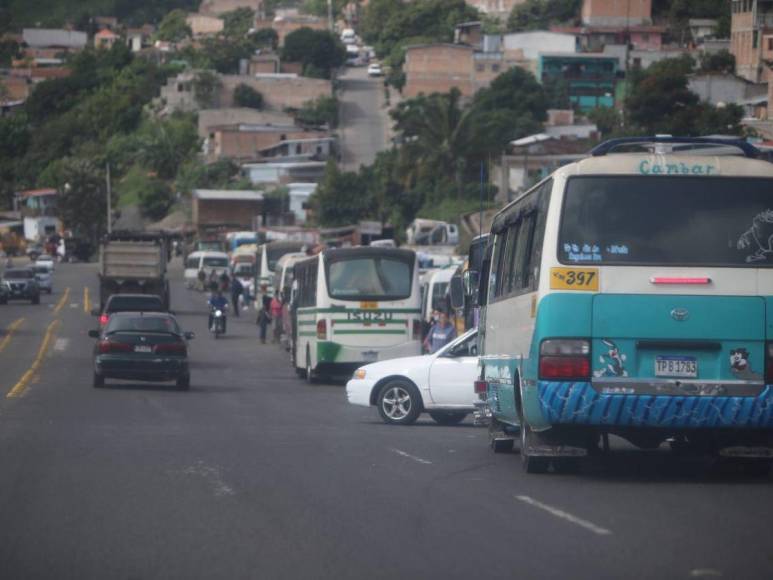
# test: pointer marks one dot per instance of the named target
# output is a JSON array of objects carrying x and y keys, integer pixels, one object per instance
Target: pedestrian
[
  {"x": 276, "y": 318},
  {"x": 236, "y": 291},
  {"x": 212, "y": 281},
  {"x": 264, "y": 317},
  {"x": 441, "y": 333},
  {"x": 224, "y": 281},
  {"x": 202, "y": 276}
]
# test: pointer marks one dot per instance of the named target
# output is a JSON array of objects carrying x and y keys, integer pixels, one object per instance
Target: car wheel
[
  {"x": 448, "y": 417},
  {"x": 530, "y": 463},
  {"x": 184, "y": 382},
  {"x": 399, "y": 403},
  {"x": 99, "y": 381}
]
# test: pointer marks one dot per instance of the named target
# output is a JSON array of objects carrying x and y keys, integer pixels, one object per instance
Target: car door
[{"x": 452, "y": 373}]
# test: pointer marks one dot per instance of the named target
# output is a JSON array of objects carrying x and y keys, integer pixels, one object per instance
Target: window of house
[
  {"x": 480, "y": 67},
  {"x": 770, "y": 43},
  {"x": 495, "y": 67},
  {"x": 755, "y": 38}
]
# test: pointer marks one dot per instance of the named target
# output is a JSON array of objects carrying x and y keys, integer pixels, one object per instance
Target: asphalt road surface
[
  {"x": 363, "y": 118},
  {"x": 256, "y": 474}
]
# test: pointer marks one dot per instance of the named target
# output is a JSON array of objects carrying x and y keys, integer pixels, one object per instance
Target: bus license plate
[
  {"x": 370, "y": 356},
  {"x": 685, "y": 367}
]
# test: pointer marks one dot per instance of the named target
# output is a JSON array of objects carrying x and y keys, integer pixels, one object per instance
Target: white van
[{"x": 207, "y": 261}]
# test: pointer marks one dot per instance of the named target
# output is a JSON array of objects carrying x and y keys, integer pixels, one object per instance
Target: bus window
[{"x": 369, "y": 278}]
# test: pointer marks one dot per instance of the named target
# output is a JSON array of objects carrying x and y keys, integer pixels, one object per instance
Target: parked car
[
  {"x": 129, "y": 303},
  {"x": 375, "y": 70},
  {"x": 34, "y": 250},
  {"x": 45, "y": 277},
  {"x": 142, "y": 346},
  {"x": 46, "y": 260},
  {"x": 440, "y": 384},
  {"x": 20, "y": 284}
]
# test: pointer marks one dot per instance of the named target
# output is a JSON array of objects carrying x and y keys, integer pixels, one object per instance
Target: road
[
  {"x": 256, "y": 474},
  {"x": 363, "y": 118}
]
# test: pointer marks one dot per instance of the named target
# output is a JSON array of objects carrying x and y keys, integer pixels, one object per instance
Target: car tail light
[
  {"x": 108, "y": 346},
  {"x": 480, "y": 387},
  {"x": 565, "y": 359},
  {"x": 321, "y": 330},
  {"x": 416, "y": 335},
  {"x": 104, "y": 319},
  {"x": 172, "y": 348},
  {"x": 769, "y": 363}
]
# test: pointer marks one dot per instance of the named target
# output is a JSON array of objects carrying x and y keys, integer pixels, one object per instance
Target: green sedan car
[{"x": 142, "y": 346}]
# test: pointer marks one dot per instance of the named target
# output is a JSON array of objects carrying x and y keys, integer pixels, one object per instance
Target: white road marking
[
  {"x": 705, "y": 573},
  {"x": 590, "y": 526},
  {"x": 212, "y": 476},
  {"x": 74, "y": 305},
  {"x": 413, "y": 457},
  {"x": 61, "y": 344}
]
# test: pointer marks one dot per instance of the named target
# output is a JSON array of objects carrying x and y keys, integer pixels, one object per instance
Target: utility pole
[
  {"x": 109, "y": 203},
  {"x": 330, "y": 22}
]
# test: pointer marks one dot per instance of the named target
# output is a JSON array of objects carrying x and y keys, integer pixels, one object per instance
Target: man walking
[{"x": 236, "y": 291}]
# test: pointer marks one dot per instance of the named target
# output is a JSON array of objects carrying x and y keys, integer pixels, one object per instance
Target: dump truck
[{"x": 133, "y": 263}]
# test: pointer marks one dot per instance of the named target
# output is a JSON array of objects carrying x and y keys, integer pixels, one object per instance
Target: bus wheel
[
  {"x": 448, "y": 417},
  {"x": 310, "y": 378},
  {"x": 530, "y": 463},
  {"x": 399, "y": 403}
]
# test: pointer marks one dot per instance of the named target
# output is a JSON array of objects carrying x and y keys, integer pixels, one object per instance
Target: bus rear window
[
  {"x": 669, "y": 221},
  {"x": 369, "y": 279},
  {"x": 216, "y": 262}
]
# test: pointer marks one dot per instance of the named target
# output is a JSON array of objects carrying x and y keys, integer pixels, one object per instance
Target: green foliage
[
  {"x": 319, "y": 7},
  {"x": 321, "y": 111},
  {"x": 223, "y": 174},
  {"x": 317, "y": 50},
  {"x": 449, "y": 210},
  {"x": 717, "y": 62},
  {"x": 340, "y": 198},
  {"x": 83, "y": 203},
  {"x": 607, "y": 119},
  {"x": 141, "y": 187},
  {"x": 541, "y": 14},
  {"x": 173, "y": 27},
  {"x": 246, "y": 96},
  {"x": 238, "y": 22},
  {"x": 15, "y": 14},
  {"x": 264, "y": 38},
  {"x": 206, "y": 85}
]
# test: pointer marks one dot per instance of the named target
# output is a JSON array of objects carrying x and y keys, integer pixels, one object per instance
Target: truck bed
[{"x": 133, "y": 260}]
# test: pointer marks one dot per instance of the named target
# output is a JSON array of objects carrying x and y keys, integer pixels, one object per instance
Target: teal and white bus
[
  {"x": 354, "y": 306},
  {"x": 265, "y": 263}
]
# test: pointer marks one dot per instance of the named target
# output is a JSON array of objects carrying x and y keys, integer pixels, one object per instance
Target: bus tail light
[
  {"x": 769, "y": 363},
  {"x": 416, "y": 329},
  {"x": 321, "y": 330},
  {"x": 480, "y": 387},
  {"x": 564, "y": 359}
]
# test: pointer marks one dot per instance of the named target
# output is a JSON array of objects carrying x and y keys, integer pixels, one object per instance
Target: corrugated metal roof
[
  {"x": 227, "y": 195},
  {"x": 44, "y": 37}
]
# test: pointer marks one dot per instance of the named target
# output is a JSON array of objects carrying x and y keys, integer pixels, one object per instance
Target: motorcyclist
[{"x": 218, "y": 302}]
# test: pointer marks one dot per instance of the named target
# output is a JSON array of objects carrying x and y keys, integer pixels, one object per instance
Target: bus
[
  {"x": 266, "y": 259},
  {"x": 354, "y": 306},
  {"x": 631, "y": 293},
  {"x": 433, "y": 294},
  {"x": 283, "y": 282}
]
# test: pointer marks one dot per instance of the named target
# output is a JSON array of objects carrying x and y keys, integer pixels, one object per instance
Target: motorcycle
[{"x": 217, "y": 324}]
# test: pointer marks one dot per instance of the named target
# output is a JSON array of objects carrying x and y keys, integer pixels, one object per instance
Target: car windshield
[
  {"x": 41, "y": 270},
  {"x": 192, "y": 263},
  {"x": 18, "y": 274},
  {"x": 678, "y": 221},
  {"x": 215, "y": 262},
  {"x": 244, "y": 270},
  {"x": 134, "y": 304},
  {"x": 166, "y": 325},
  {"x": 377, "y": 278}
]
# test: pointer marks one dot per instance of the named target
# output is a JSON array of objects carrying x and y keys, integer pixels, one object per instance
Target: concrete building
[
  {"x": 105, "y": 39},
  {"x": 204, "y": 24},
  {"x": 284, "y": 172},
  {"x": 725, "y": 88},
  {"x": 300, "y": 193},
  {"x": 222, "y": 208},
  {"x": 266, "y": 63},
  {"x": 218, "y": 7},
  {"x": 209, "y": 118},
  {"x": 702, "y": 28},
  {"x": 751, "y": 38},
  {"x": 591, "y": 78},
  {"x": 594, "y": 38},
  {"x": 318, "y": 148},
  {"x": 245, "y": 142},
  {"x": 139, "y": 38},
  {"x": 616, "y": 13}
]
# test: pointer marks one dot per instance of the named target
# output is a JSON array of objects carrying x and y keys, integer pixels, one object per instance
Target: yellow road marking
[
  {"x": 62, "y": 301},
  {"x": 21, "y": 386},
  {"x": 86, "y": 300},
  {"x": 11, "y": 329}
]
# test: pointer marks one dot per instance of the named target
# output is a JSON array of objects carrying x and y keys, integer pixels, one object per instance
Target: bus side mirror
[
  {"x": 471, "y": 282},
  {"x": 457, "y": 293}
]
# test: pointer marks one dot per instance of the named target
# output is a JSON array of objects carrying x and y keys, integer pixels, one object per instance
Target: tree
[
  {"x": 264, "y": 38},
  {"x": 662, "y": 103},
  {"x": 340, "y": 198},
  {"x": 173, "y": 27},
  {"x": 238, "y": 22},
  {"x": 717, "y": 62},
  {"x": 246, "y": 96},
  {"x": 540, "y": 14},
  {"x": 321, "y": 111},
  {"x": 205, "y": 88},
  {"x": 317, "y": 50}
]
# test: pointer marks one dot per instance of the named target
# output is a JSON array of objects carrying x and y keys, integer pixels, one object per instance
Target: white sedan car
[
  {"x": 440, "y": 384},
  {"x": 375, "y": 70},
  {"x": 46, "y": 260}
]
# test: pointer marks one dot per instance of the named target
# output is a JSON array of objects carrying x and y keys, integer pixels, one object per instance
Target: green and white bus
[
  {"x": 266, "y": 259},
  {"x": 354, "y": 306}
]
